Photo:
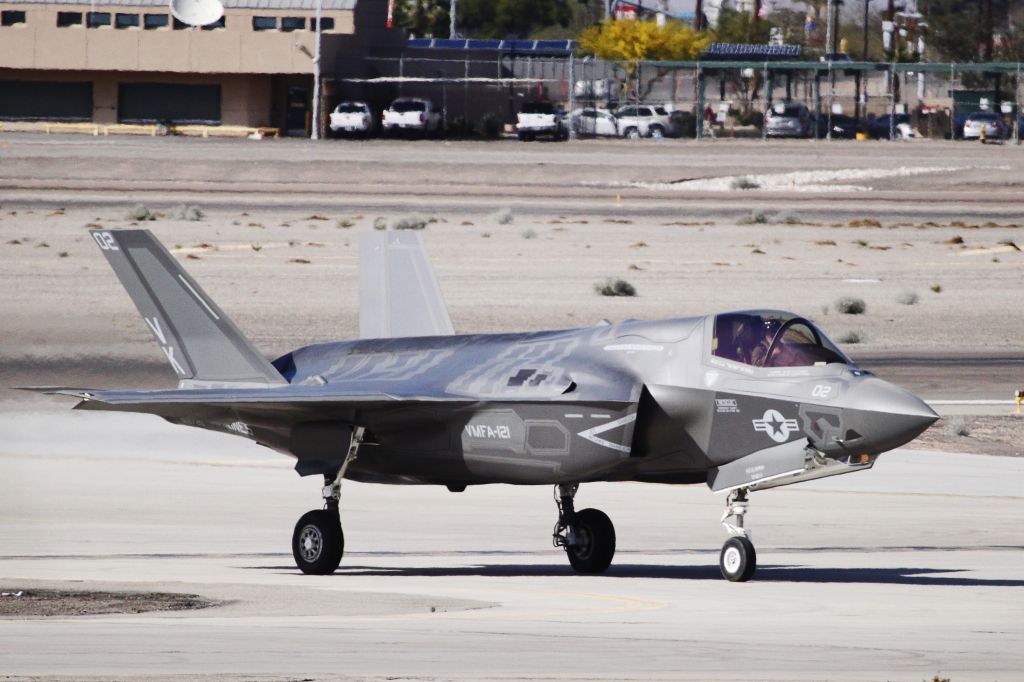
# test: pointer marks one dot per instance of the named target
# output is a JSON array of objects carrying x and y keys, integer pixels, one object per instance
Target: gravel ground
[{"x": 35, "y": 603}]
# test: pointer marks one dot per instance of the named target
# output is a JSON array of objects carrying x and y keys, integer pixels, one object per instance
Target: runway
[{"x": 900, "y": 573}]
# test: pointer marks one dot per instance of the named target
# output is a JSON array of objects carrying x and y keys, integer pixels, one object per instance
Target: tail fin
[
  {"x": 398, "y": 294},
  {"x": 204, "y": 347}
]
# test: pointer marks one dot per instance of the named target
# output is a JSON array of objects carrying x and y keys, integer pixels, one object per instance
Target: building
[{"x": 131, "y": 61}]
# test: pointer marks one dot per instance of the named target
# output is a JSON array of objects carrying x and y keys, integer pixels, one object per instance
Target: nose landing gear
[
  {"x": 588, "y": 536},
  {"x": 738, "y": 560}
]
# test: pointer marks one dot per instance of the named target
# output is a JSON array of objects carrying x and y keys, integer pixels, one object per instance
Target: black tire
[
  {"x": 655, "y": 131},
  {"x": 738, "y": 560},
  {"x": 521, "y": 136},
  {"x": 318, "y": 543},
  {"x": 595, "y": 536},
  {"x": 631, "y": 133}
]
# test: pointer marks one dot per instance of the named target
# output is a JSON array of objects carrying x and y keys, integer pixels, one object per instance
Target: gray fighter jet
[{"x": 741, "y": 401}]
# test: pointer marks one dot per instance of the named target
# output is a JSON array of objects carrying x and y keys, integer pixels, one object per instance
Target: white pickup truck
[
  {"x": 353, "y": 118},
  {"x": 541, "y": 118},
  {"x": 411, "y": 114}
]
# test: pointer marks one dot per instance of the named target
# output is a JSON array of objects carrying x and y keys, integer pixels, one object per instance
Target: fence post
[
  {"x": 700, "y": 103},
  {"x": 572, "y": 94},
  {"x": 817, "y": 101},
  {"x": 769, "y": 85},
  {"x": 1016, "y": 106}
]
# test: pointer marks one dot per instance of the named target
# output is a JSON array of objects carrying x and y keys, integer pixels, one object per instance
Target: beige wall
[
  {"x": 245, "y": 99},
  {"x": 40, "y": 44}
]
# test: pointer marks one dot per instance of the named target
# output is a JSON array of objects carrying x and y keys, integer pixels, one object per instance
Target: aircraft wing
[{"x": 287, "y": 404}]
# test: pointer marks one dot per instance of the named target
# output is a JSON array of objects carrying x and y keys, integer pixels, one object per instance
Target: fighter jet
[{"x": 740, "y": 401}]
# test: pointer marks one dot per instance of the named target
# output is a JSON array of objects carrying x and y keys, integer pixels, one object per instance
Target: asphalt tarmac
[{"x": 900, "y": 573}]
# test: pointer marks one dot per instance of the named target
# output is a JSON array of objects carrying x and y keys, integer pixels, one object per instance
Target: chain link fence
[{"x": 480, "y": 94}]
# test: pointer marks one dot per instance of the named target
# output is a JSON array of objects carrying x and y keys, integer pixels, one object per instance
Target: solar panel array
[
  {"x": 529, "y": 46},
  {"x": 748, "y": 52}
]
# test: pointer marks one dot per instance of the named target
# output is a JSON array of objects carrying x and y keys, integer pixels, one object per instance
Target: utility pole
[
  {"x": 453, "y": 9},
  {"x": 989, "y": 30},
  {"x": 698, "y": 16},
  {"x": 316, "y": 73},
  {"x": 828, "y": 28}
]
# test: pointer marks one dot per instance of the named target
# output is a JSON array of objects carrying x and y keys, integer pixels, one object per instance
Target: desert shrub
[
  {"x": 528, "y": 233},
  {"x": 490, "y": 127},
  {"x": 140, "y": 212},
  {"x": 183, "y": 212},
  {"x": 345, "y": 223},
  {"x": 743, "y": 182},
  {"x": 615, "y": 287},
  {"x": 958, "y": 427},
  {"x": 756, "y": 217},
  {"x": 936, "y": 288},
  {"x": 907, "y": 298},
  {"x": 851, "y": 338},
  {"x": 412, "y": 222},
  {"x": 503, "y": 216},
  {"x": 849, "y": 305},
  {"x": 787, "y": 218},
  {"x": 380, "y": 223}
]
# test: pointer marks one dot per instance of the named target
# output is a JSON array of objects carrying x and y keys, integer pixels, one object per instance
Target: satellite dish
[{"x": 197, "y": 12}]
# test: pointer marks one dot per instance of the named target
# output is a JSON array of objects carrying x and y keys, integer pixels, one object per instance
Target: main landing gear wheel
[
  {"x": 318, "y": 542},
  {"x": 587, "y": 536},
  {"x": 738, "y": 560}
]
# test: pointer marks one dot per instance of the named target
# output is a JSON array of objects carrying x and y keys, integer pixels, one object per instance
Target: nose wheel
[
  {"x": 738, "y": 560},
  {"x": 588, "y": 535}
]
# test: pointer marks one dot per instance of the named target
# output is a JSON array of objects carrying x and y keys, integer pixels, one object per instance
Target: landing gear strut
[
  {"x": 318, "y": 541},
  {"x": 588, "y": 536},
  {"x": 738, "y": 559}
]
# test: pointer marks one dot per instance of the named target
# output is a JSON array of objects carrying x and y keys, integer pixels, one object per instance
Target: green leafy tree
[
  {"x": 511, "y": 18},
  {"x": 423, "y": 18},
  {"x": 739, "y": 27}
]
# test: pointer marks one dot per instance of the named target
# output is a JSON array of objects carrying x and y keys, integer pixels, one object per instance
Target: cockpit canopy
[{"x": 771, "y": 338}]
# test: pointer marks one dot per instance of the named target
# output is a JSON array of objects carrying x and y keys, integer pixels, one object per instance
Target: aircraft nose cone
[{"x": 885, "y": 415}]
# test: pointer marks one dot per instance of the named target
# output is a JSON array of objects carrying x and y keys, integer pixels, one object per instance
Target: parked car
[
  {"x": 592, "y": 122},
  {"x": 843, "y": 127},
  {"x": 353, "y": 118},
  {"x": 788, "y": 120},
  {"x": 412, "y": 114},
  {"x": 989, "y": 122},
  {"x": 879, "y": 129},
  {"x": 541, "y": 118},
  {"x": 643, "y": 121}
]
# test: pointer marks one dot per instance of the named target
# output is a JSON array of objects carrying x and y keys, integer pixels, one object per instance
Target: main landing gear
[
  {"x": 318, "y": 542},
  {"x": 588, "y": 536},
  {"x": 738, "y": 559}
]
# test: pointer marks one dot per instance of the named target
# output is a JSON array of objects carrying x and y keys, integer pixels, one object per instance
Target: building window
[
  {"x": 154, "y": 21},
  {"x": 10, "y": 17},
  {"x": 264, "y": 23},
  {"x": 215, "y": 25},
  {"x": 293, "y": 23},
  {"x": 126, "y": 20},
  {"x": 97, "y": 19},
  {"x": 326, "y": 24},
  {"x": 65, "y": 19}
]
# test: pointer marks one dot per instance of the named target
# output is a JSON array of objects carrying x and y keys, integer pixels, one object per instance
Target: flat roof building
[{"x": 131, "y": 61}]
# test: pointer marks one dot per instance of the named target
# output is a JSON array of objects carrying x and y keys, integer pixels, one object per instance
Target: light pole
[{"x": 316, "y": 74}]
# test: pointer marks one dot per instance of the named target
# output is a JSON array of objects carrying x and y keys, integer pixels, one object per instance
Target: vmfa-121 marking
[{"x": 742, "y": 401}]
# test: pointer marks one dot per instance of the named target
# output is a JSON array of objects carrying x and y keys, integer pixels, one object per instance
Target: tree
[
  {"x": 739, "y": 27},
  {"x": 628, "y": 43},
  {"x": 511, "y": 18},
  {"x": 423, "y": 18}
]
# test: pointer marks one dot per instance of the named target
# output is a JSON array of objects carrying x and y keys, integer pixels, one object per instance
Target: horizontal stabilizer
[
  {"x": 202, "y": 345},
  {"x": 398, "y": 293}
]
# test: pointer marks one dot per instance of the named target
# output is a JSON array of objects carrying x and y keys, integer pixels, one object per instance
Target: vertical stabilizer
[
  {"x": 203, "y": 346},
  {"x": 398, "y": 293}
]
